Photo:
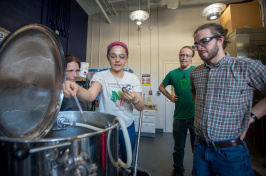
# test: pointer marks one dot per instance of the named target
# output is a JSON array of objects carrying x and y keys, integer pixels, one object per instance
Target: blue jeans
[
  {"x": 229, "y": 161},
  {"x": 180, "y": 127},
  {"x": 132, "y": 137}
]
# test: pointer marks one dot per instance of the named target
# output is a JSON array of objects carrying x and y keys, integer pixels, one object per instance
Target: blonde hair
[{"x": 189, "y": 47}]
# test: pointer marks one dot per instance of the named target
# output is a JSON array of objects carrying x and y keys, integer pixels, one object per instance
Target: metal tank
[
  {"x": 65, "y": 150},
  {"x": 35, "y": 139}
]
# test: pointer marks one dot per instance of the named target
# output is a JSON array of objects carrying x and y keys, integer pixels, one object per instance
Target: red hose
[{"x": 104, "y": 139}]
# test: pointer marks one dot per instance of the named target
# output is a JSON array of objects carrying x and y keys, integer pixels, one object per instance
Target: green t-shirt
[{"x": 179, "y": 79}]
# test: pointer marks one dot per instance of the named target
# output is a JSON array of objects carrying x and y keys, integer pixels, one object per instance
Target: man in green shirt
[{"x": 184, "y": 106}]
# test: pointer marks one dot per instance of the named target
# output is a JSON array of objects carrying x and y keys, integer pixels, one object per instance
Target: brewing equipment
[
  {"x": 65, "y": 150},
  {"x": 37, "y": 139}
]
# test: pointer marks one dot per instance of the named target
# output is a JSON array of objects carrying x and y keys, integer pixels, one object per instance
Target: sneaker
[{"x": 176, "y": 173}]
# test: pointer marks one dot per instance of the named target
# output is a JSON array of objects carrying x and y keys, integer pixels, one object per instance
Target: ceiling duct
[{"x": 173, "y": 4}]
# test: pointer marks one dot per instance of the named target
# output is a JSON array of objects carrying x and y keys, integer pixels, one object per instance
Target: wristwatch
[{"x": 253, "y": 116}]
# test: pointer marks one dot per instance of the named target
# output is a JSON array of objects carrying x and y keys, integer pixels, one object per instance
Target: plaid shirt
[{"x": 224, "y": 96}]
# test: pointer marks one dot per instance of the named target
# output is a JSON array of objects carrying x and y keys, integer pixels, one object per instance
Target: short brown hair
[
  {"x": 215, "y": 29},
  {"x": 189, "y": 47},
  {"x": 70, "y": 58}
]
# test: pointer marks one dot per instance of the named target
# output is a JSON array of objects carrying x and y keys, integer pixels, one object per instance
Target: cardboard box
[{"x": 241, "y": 15}]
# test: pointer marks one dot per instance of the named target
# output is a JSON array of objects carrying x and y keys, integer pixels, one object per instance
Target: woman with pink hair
[{"x": 119, "y": 91}]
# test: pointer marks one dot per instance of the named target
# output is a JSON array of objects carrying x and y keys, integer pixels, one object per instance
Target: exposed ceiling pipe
[
  {"x": 149, "y": 6},
  {"x": 113, "y": 8},
  {"x": 106, "y": 16},
  {"x": 107, "y": 8}
]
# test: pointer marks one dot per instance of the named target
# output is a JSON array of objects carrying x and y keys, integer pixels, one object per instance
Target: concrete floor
[{"x": 155, "y": 155}]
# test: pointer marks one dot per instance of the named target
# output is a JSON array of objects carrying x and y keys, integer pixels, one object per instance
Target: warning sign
[{"x": 146, "y": 80}]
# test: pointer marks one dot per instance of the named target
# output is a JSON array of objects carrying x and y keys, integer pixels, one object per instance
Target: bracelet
[
  {"x": 136, "y": 103},
  {"x": 254, "y": 116}
]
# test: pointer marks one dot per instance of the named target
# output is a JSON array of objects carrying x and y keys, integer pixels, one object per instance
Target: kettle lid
[{"x": 32, "y": 70}]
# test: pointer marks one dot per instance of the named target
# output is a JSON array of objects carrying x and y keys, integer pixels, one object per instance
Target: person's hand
[
  {"x": 130, "y": 95},
  {"x": 174, "y": 99},
  {"x": 250, "y": 121},
  {"x": 70, "y": 89}
]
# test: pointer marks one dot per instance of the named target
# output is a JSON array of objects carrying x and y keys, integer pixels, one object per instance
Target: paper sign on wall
[{"x": 148, "y": 101}]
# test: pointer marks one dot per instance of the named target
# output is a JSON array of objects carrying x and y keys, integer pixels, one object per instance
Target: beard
[{"x": 211, "y": 53}]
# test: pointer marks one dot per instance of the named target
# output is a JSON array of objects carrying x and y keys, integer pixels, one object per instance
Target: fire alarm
[{"x": 150, "y": 92}]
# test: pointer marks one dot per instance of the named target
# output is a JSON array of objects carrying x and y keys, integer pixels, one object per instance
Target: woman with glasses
[
  {"x": 72, "y": 73},
  {"x": 118, "y": 91}
]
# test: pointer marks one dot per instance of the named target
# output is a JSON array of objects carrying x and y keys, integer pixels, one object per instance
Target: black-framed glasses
[
  {"x": 114, "y": 56},
  {"x": 185, "y": 55},
  {"x": 204, "y": 42}
]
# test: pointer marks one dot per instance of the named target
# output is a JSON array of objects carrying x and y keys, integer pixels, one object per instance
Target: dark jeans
[
  {"x": 180, "y": 127},
  {"x": 132, "y": 137},
  {"x": 228, "y": 161}
]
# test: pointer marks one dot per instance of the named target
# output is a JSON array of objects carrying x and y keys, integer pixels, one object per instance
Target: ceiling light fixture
[
  {"x": 213, "y": 12},
  {"x": 138, "y": 16}
]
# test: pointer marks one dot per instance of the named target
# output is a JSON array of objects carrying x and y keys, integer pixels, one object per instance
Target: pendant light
[
  {"x": 214, "y": 11},
  {"x": 139, "y": 16}
]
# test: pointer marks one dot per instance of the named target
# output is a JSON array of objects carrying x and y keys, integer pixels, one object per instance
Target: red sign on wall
[{"x": 146, "y": 80}]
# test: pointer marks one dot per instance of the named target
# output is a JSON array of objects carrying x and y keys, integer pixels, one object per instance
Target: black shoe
[{"x": 176, "y": 173}]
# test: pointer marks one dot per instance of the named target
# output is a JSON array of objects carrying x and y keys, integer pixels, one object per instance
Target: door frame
[{"x": 165, "y": 98}]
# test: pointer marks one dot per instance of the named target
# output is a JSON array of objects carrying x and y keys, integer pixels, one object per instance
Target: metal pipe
[
  {"x": 149, "y": 6},
  {"x": 39, "y": 149},
  {"x": 106, "y": 16},
  {"x": 113, "y": 8},
  {"x": 137, "y": 145},
  {"x": 107, "y": 8}
]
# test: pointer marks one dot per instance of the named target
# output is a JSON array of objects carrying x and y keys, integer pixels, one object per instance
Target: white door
[{"x": 169, "y": 106}]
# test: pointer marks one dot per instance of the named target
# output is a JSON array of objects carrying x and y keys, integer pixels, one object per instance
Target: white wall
[{"x": 159, "y": 39}]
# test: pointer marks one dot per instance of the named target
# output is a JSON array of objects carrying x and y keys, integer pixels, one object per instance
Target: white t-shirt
[{"x": 110, "y": 97}]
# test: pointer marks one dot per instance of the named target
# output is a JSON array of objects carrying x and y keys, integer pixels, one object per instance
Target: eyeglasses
[
  {"x": 114, "y": 56},
  {"x": 72, "y": 71},
  {"x": 204, "y": 42},
  {"x": 185, "y": 55}
]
